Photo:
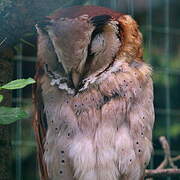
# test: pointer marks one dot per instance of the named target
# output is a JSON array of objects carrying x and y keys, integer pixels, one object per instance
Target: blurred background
[{"x": 160, "y": 25}]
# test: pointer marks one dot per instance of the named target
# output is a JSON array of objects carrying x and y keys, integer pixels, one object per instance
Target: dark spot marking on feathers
[
  {"x": 106, "y": 99},
  {"x": 115, "y": 94},
  {"x": 78, "y": 112}
]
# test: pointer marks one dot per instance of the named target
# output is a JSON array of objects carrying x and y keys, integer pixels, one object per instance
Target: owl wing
[
  {"x": 134, "y": 133},
  {"x": 40, "y": 127},
  {"x": 46, "y": 56}
]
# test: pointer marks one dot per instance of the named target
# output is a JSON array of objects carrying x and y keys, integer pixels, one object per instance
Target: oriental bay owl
[{"x": 93, "y": 97}]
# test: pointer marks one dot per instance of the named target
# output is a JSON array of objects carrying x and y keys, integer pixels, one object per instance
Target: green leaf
[
  {"x": 9, "y": 115},
  {"x": 1, "y": 98},
  {"x": 18, "y": 83}
]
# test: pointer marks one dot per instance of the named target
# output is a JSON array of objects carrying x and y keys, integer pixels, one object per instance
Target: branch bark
[{"x": 160, "y": 171}]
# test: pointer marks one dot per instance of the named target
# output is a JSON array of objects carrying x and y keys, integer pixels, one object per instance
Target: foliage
[
  {"x": 9, "y": 115},
  {"x": 1, "y": 98},
  {"x": 17, "y": 84}
]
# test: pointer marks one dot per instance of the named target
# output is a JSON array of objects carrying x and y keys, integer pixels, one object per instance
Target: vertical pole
[
  {"x": 113, "y": 4},
  {"x": 167, "y": 85},
  {"x": 149, "y": 46},
  {"x": 95, "y": 2},
  {"x": 18, "y": 125},
  {"x": 130, "y": 7},
  {"x": 149, "y": 30}
]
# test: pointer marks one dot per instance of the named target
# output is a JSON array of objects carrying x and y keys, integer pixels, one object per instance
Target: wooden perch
[
  {"x": 162, "y": 172},
  {"x": 168, "y": 161}
]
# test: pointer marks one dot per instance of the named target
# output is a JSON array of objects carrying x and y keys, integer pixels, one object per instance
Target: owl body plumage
[{"x": 101, "y": 130}]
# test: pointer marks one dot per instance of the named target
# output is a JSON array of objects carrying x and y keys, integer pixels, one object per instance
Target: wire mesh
[{"x": 149, "y": 30}]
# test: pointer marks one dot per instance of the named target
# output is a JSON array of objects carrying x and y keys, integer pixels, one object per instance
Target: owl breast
[{"x": 104, "y": 131}]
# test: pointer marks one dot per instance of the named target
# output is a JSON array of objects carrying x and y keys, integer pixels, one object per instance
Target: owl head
[{"x": 85, "y": 40}]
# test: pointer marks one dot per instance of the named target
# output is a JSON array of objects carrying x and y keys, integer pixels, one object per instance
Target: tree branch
[
  {"x": 162, "y": 172},
  {"x": 168, "y": 161}
]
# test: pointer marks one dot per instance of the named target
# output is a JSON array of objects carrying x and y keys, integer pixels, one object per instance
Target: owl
[{"x": 93, "y": 98}]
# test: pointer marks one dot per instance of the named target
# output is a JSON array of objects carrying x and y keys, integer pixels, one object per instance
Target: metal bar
[
  {"x": 149, "y": 21},
  {"x": 18, "y": 126},
  {"x": 149, "y": 47},
  {"x": 95, "y": 2},
  {"x": 167, "y": 81},
  {"x": 25, "y": 58},
  {"x": 113, "y": 4},
  {"x": 164, "y": 112},
  {"x": 132, "y": 7},
  {"x": 24, "y": 143},
  {"x": 130, "y": 4},
  {"x": 167, "y": 57},
  {"x": 174, "y": 31}
]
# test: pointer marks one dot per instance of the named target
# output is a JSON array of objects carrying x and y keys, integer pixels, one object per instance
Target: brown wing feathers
[{"x": 39, "y": 125}]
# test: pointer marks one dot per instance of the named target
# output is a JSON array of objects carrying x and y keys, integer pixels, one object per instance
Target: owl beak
[{"x": 74, "y": 79}]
